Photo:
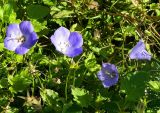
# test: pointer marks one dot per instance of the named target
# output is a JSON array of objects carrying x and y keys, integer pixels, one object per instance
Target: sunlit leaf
[
  {"x": 20, "y": 82},
  {"x": 63, "y": 14},
  {"x": 49, "y": 96},
  {"x": 154, "y": 85},
  {"x": 81, "y": 96},
  {"x": 50, "y": 2},
  {"x": 91, "y": 63}
]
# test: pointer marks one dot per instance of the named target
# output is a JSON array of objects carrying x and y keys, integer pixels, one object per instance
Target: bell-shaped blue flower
[
  {"x": 20, "y": 37},
  {"x": 139, "y": 52},
  {"x": 108, "y": 75},
  {"x": 66, "y": 42}
]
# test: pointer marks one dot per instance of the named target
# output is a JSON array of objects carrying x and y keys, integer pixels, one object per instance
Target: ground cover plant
[{"x": 79, "y": 56}]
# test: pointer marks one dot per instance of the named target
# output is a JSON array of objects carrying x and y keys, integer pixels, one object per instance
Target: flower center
[
  {"x": 21, "y": 39},
  {"x": 111, "y": 75},
  {"x": 63, "y": 46}
]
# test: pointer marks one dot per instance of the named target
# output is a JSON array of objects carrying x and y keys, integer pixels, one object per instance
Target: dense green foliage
[{"x": 46, "y": 81}]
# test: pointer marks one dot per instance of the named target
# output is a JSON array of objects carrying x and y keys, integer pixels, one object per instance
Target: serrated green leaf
[
  {"x": 37, "y": 11},
  {"x": 20, "y": 82},
  {"x": 54, "y": 10},
  {"x": 100, "y": 98},
  {"x": 49, "y": 96},
  {"x": 39, "y": 26},
  {"x": 91, "y": 63},
  {"x": 154, "y": 85},
  {"x": 134, "y": 85},
  {"x": 81, "y": 96},
  {"x": 8, "y": 8}
]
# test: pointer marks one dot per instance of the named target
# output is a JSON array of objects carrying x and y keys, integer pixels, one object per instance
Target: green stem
[
  {"x": 66, "y": 87},
  {"x": 50, "y": 74},
  {"x": 74, "y": 78},
  {"x": 124, "y": 36},
  {"x": 33, "y": 86}
]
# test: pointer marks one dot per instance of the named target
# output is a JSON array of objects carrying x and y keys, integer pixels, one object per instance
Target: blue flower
[
  {"x": 108, "y": 75},
  {"x": 66, "y": 42},
  {"x": 20, "y": 37},
  {"x": 139, "y": 52}
]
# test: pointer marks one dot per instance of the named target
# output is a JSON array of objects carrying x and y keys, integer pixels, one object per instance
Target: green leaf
[
  {"x": 130, "y": 30},
  {"x": 19, "y": 58},
  {"x": 37, "y": 11},
  {"x": 4, "y": 83},
  {"x": 1, "y": 13},
  {"x": 1, "y": 46},
  {"x": 73, "y": 27},
  {"x": 54, "y": 10},
  {"x": 91, "y": 63},
  {"x": 134, "y": 85},
  {"x": 59, "y": 21},
  {"x": 12, "y": 17},
  {"x": 81, "y": 96},
  {"x": 19, "y": 82},
  {"x": 76, "y": 27},
  {"x": 63, "y": 14},
  {"x": 50, "y": 2},
  {"x": 38, "y": 26},
  {"x": 71, "y": 108},
  {"x": 8, "y": 9},
  {"x": 49, "y": 96},
  {"x": 154, "y": 85}
]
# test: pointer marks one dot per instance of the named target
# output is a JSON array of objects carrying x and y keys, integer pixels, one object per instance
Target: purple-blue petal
[
  {"x": 139, "y": 52},
  {"x": 75, "y": 39},
  {"x": 60, "y": 35},
  {"x": 13, "y": 31},
  {"x": 139, "y": 45},
  {"x": 10, "y": 43},
  {"x": 22, "y": 49},
  {"x": 109, "y": 67},
  {"x": 106, "y": 79},
  {"x": 73, "y": 52},
  {"x": 101, "y": 76},
  {"x": 26, "y": 27},
  {"x": 30, "y": 40},
  {"x": 141, "y": 55},
  {"x": 110, "y": 82}
]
